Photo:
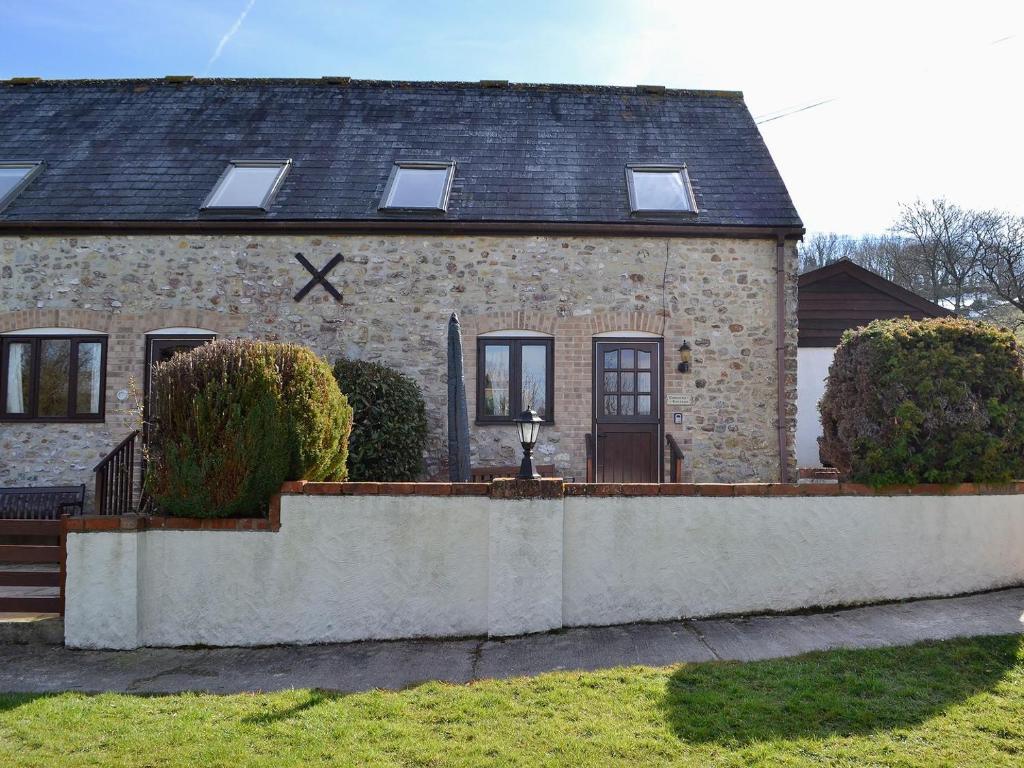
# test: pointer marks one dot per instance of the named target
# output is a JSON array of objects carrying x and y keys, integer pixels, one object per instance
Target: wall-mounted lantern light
[
  {"x": 684, "y": 358},
  {"x": 528, "y": 426}
]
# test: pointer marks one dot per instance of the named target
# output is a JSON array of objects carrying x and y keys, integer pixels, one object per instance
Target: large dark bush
[
  {"x": 389, "y": 422},
  {"x": 930, "y": 401},
  {"x": 234, "y": 419}
]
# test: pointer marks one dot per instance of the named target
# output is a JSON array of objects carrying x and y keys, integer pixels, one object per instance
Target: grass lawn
[{"x": 953, "y": 703}]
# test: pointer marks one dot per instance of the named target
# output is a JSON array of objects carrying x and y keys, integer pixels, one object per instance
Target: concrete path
[{"x": 398, "y": 664}]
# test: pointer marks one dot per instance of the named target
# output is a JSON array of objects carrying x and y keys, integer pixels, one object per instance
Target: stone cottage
[{"x": 622, "y": 259}]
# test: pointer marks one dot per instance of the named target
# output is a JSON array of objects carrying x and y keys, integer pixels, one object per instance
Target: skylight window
[
  {"x": 247, "y": 185},
  {"x": 659, "y": 189},
  {"x": 418, "y": 187},
  {"x": 14, "y": 177}
]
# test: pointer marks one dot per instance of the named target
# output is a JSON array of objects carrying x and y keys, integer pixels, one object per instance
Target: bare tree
[
  {"x": 891, "y": 256},
  {"x": 822, "y": 248},
  {"x": 1002, "y": 238},
  {"x": 970, "y": 261},
  {"x": 949, "y": 251}
]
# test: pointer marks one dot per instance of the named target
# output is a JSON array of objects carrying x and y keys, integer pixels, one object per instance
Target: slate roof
[{"x": 151, "y": 150}]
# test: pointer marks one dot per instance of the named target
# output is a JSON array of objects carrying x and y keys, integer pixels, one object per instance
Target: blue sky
[{"x": 924, "y": 97}]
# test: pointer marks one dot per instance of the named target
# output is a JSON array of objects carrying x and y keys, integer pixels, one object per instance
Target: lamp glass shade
[{"x": 528, "y": 427}]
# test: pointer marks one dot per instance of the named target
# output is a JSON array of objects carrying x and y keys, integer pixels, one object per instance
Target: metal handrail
[
  {"x": 115, "y": 479},
  {"x": 675, "y": 470}
]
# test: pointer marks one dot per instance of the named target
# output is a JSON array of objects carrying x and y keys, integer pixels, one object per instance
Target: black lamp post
[{"x": 528, "y": 426}]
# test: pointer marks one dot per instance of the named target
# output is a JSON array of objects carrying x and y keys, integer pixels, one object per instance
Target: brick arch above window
[
  {"x": 125, "y": 324},
  {"x": 520, "y": 332},
  {"x": 54, "y": 331}
]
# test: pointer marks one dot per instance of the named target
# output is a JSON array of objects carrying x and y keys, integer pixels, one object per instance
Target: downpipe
[{"x": 780, "y": 354}]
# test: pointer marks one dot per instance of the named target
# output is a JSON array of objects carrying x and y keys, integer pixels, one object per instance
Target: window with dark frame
[
  {"x": 52, "y": 378},
  {"x": 14, "y": 177},
  {"x": 513, "y": 374},
  {"x": 418, "y": 186},
  {"x": 659, "y": 189},
  {"x": 247, "y": 186}
]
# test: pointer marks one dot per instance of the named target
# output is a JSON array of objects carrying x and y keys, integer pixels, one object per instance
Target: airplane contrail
[{"x": 229, "y": 34}]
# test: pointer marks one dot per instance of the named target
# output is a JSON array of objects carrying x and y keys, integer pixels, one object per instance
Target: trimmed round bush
[
  {"x": 389, "y": 422},
  {"x": 235, "y": 419},
  {"x": 929, "y": 401}
]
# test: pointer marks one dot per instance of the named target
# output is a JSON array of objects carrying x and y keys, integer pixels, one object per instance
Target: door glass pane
[
  {"x": 627, "y": 358},
  {"x": 611, "y": 360},
  {"x": 610, "y": 405},
  {"x": 643, "y": 405},
  {"x": 626, "y": 405},
  {"x": 87, "y": 399},
  {"x": 19, "y": 372},
  {"x": 535, "y": 377},
  {"x": 54, "y": 375},
  {"x": 165, "y": 353},
  {"x": 611, "y": 382},
  {"x": 627, "y": 380},
  {"x": 643, "y": 382},
  {"x": 496, "y": 383},
  {"x": 643, "y": 359}
]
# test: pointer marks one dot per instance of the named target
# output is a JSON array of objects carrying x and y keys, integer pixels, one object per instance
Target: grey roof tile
[{"x": 149, "y": 150}]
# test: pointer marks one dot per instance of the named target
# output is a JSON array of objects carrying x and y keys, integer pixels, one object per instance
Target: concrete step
[{"x": 31, "y": 628}]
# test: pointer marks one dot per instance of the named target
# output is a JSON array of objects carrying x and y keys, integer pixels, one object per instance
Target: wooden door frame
[{"x": 660, "y": 342}]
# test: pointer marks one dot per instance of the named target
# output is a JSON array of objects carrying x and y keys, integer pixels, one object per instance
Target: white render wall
[
  {"x": 376, "y": 567},
  {"x": 812, "y": 364}
]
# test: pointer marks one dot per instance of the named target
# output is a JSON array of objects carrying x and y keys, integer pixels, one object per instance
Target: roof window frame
[
  {"x": 35, "y": 167},
  {"x": 679, "y": 168},
  {"x": 434, "y": 165},
  {"x": 285, "y": 166}
]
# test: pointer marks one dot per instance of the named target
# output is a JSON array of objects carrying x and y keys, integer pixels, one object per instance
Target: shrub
[
  {"x": 389, "y": 422},
  {"x": 234, "y": 419},
  {"x": 930, "y": 401}
]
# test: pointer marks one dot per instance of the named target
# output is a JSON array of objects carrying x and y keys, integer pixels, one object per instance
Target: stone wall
[{"x": 718, "y": 294}]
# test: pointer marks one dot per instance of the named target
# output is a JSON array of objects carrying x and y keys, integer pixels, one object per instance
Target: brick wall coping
[
  {"x": 514, "y": 489},
  {"x": 507, "y": 488},
  {"x": 92, "y": 523}
]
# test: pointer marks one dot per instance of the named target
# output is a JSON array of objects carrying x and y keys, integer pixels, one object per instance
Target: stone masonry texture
[{"x": 398, "y": 291}]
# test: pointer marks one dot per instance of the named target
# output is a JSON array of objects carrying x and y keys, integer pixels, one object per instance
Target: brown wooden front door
[{"x": 627, "y": 411}]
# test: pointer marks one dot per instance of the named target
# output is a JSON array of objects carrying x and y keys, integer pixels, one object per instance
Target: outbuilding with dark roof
[{"x": 833, "y": 299}]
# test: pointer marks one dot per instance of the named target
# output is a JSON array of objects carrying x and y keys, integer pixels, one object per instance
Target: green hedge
[
  {"x": 389, "y": 422},
  {"x": 235, "y": 419},
  {"x": 930, "y": 401}
]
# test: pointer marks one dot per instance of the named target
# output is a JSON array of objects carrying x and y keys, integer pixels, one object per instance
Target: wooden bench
[
  {"x": 487, "y": 474},
  {"x": 41, "y": 503}
]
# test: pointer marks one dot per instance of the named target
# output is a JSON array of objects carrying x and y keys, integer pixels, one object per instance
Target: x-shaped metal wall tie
[{"x": 319, "y": 277}]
